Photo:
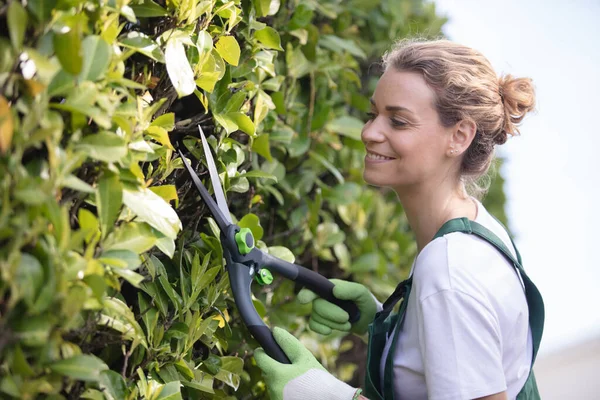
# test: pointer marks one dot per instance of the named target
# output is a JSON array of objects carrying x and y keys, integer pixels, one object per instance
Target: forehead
[{"x": 404, "y": 89}]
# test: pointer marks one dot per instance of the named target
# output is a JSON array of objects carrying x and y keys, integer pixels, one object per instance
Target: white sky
[{"x": 552, "y": 173}]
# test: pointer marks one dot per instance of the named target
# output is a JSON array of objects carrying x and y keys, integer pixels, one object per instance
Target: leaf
[
  {"x": 178, "y": 67},
  {"x": 29, "y": 277},
  {"x": 337, "y": 44},
  {"x": 229, "y": 49},
  {"x": 123, "y": 258},
  {"x": 108, "y": 200},
  {"x": 41, "y": 9},
  {"x": 282, "y": 252},
  {"x": 130, "y": 276},
  {"x": 67, "y": 43},
  {"x": 147, "y": 9},
  {"x": 167, "y": 192},
  {"x": 231, "y": 368},
  {"x": 144, "y": 45},
  {"x": 269, "y": 38},
  {"x": 113, "y": 384},
  {"x": 323, "y": 161},
  {"x": 202, "y": 381},
  {"x": 135, "y": 236},
  {"x": 258, "y": 174},
  {"x": 104, "y": 146},
  {"x": 96, "y": 58},
  {"x": 17, "y": 23},
  {"x": 160, "y": 135},
  {"x": 171, "y": 391},
  {"x": 151, "y": 208},
  {"x": 252, "y": 222},
  {"x": 243, "y": 122},
  {"x": 73, "y": 182},
  {"x": 261, "y": 146},
  {"x": 346, "y": 126},
  {"x": 81, "y": 367},
  {"x": 165, "y": 121},
  {"x": 6, "y": 125}
]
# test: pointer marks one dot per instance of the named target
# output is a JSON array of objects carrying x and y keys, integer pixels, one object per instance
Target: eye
[{"x": 397, "y": 123}]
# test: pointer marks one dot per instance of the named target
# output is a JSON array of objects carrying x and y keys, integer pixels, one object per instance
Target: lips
[{"x": 376, "y": 156}]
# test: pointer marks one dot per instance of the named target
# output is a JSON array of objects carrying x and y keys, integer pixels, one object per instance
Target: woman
[{"x": 470, "y": 321}]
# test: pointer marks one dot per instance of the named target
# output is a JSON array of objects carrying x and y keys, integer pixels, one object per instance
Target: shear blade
[{"x": 214, "y": 177}]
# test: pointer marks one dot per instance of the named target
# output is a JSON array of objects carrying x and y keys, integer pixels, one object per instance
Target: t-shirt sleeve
[{"x": 460, "y": 346}]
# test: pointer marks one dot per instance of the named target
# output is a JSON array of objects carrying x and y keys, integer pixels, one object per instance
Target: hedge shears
[{"x": 245, "y": 262}]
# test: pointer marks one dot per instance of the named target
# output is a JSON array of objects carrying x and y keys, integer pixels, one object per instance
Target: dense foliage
[{"x": 112, "y": 282}]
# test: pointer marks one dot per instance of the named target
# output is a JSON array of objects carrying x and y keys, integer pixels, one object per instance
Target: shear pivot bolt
[{"x": 244, "y": 240}]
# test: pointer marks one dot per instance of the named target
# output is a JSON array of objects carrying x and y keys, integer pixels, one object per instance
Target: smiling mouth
[{"x": 375, "y": 156}]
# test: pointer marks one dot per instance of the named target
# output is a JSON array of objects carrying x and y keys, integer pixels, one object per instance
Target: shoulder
[{"x": 456, "y": 261}]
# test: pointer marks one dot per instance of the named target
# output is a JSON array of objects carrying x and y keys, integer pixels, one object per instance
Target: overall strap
[{"x": 535, "y": 302}]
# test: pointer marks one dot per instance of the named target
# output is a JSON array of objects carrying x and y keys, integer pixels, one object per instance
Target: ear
[{"x": 462, "y": 136}]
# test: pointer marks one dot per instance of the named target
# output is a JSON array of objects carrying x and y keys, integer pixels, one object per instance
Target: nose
[{"x": 371, "y": 132}]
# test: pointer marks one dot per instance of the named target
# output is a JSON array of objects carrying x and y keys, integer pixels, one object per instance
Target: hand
[
  {"x": 327, "y": 316},
  {"x": 304, "y": 379}
]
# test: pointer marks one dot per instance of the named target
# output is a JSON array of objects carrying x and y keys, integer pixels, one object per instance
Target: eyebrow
[{"x": 392, "y": 108}]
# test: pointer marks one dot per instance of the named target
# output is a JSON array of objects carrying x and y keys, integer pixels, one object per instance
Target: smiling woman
[{"x": 470, "y": 320}]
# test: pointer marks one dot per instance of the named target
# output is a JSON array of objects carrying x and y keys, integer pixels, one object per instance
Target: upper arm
[{"x": 461, "y": 346}]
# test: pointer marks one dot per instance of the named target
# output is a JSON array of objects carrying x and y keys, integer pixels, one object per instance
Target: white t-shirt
[{"x": 466, "y": 329}]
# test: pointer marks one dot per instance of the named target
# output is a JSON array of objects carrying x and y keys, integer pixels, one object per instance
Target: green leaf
[
  {"x": 202, "y": 382},
  {"x": 365, "y": 263},
  {"x": 108, "y": 200},
  {"x": 243, "y": 122},
  {"x": 73, "y": 182},
  {"x": 323, "y": 161},
  {"x": 230, "y": 370},
  {"x": 135, "y": 236},
  {"x": 147, "y": 9},
  {"x": 269, "y": 38},
  {"x": 338, "y": 44},
  {"x": 165, "y": 121},
  {"x": 41, "y": 9},
  {"x": 229, "y": 49},
  {"x": 16, "y": 17},
  {"x": 144, "y": 45},
  {"x": 167, "y": 192},
  {"x": 114, "y": 384},
  {"x": 61, "y": 83},
  {"x": 252, "y": 222},
  {"x": 170, "y": 391},
  {"x": 104, "y": 146},
  {"x": 29, "y": 277},
  {"x": 67, "y": 43},
  {"x": 282, "y": 252},
  {"x": 346, "y": 126},
  {"x": 178, "y": 67},
  {"x": 258, "y": 174},
  {"x": 123, "y": 258},
  {"x": 96, "y": 58},
  {"x": 81, "y": 367},
  {"x": 151, "y": 208},
  {"x": 261, "y": 146}
]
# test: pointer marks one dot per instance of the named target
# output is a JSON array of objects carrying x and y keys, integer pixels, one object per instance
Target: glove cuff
[{"x": 317, "y": 384}]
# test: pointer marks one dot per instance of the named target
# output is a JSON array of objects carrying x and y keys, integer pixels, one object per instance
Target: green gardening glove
[
  {"x": 305, "y": 378},
  {"x": 327, "y": 316}
]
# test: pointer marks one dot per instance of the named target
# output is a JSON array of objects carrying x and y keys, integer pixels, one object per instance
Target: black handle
[
  {"x": 311, "y": 280},
  {"x": 240, "y": 281}
]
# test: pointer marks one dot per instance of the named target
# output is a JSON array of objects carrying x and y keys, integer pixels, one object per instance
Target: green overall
[{"x": 384, "y": 324}]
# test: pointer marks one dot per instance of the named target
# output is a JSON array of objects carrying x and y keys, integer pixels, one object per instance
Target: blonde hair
[{"x": 467, "y": 87}]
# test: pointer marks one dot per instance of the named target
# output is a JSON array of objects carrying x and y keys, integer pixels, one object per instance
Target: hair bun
[{"x": 518, "y": 96}]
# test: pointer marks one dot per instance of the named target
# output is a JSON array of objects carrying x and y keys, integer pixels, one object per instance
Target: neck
[{"x": 428, "y": 208}]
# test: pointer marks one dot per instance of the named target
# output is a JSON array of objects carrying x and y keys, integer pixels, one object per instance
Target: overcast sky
[{"x": 552, "y": 173}]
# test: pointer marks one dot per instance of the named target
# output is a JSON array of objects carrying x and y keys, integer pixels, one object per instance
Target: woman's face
[{"x": 405, "y": 142}]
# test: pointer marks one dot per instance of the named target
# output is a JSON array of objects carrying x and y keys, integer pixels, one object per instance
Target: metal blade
[
  {"x": 212, "y": 205},
  {"x": 214, "y": 177}
]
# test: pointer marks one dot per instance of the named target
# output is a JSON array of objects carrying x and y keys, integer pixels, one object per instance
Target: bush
[{"x": 112, "y": 280}]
